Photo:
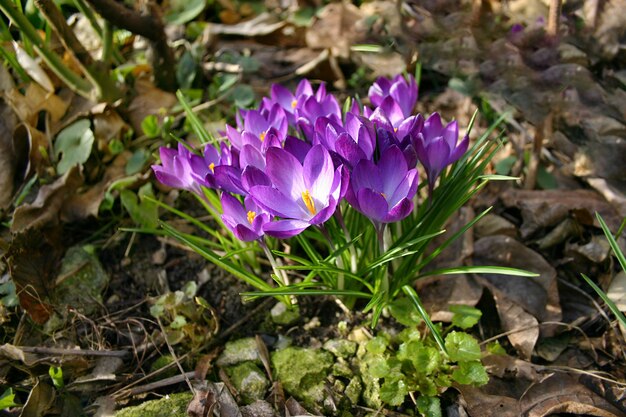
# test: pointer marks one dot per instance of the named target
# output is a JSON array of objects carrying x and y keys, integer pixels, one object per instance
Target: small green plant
[
  {"x": 411, "y": 363},
  {"x": 7, "y": 399},
  {"x": 186, "y": 318}
]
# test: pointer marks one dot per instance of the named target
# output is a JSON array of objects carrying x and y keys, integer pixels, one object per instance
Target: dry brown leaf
[
  {"x": 149, "y": 100},
  {"x": 108, "y": 125},
  {"x": 505, "y": 366},
  {"x": 8, "y": 159},
  {"x": 38, "y": 145},
  {"x": 33, "y": 258},
  {"x": 40, "y": 401},
  {"x": 522, "y": 327},
  {"x": 335, "y": 28},
  {"x": 34, "y": 100},
  {"x": 82, "y": 205},
  {"x": 47, "y": 207},
  {"x": 537, "y": 295},
  {"x": 559, "y": 393},
  {"x": 261, "y": 25},
  {"x": 562, "y": 393},
  {"x": 439, "y": 292},
  {"x": 548, "y": 208}
]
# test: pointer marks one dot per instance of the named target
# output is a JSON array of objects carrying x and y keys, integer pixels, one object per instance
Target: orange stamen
[
  {"x": 251, "y": 216},
  {"x": 308, "y": 201}
]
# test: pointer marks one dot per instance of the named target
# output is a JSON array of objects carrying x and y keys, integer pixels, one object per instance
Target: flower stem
[
  {"x": 340, "y": 277},
  {"x": 280, "y": 274},
  {"x": 351, "y": 248}
]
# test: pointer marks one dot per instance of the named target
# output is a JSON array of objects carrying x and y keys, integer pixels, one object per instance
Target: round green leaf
[
  {"x": 73, "y": 145},
  {"x": 183, "y": 11}
]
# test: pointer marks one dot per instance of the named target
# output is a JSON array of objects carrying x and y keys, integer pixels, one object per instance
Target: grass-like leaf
[
  {"x": 196, "y": 124},
  {"x": 211, "y": 256},
  {"x": 612, "y": 242},
  {"x": 410, "y": 292},
  {"x": 607, "y": 300},
  {"x": 500, "y": 270}
]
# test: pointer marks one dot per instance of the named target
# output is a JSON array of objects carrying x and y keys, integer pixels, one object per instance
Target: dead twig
[
  {"x": 74, "y": 352},
  {"x": 150, "y": 27},
  {"x": 554, "y": 16}
]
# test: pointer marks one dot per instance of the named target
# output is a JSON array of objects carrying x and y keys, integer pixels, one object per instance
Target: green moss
[
  {"x": 174, "y": 405},
  {"x": 249, "y": 381},
  {"x": 303, "y": 372}
]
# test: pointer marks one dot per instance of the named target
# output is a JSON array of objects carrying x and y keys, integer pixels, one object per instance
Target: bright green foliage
[
  {"x": 7, "y": 399},
  {"x": 150, "y": 126},
  {"x": 465, "y": 316},
  {"x": 412, "y": 363},
  {"x": 462, "y": 347},
  {"x": 429, "y": 406},
  {"x": 470, "y": 373},
  {"x": 56, "y": 374},
  {"x": 142, "y": 210}
]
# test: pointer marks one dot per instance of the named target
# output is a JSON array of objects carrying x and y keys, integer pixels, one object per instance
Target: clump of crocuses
[{"x": 298, "y": 160}]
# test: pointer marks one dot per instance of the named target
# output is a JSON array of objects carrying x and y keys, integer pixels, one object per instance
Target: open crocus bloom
[
  {"x": 383, "y": 192},
  {"x": 247, "y": 221},
  {"x": 300, "y": 194}
]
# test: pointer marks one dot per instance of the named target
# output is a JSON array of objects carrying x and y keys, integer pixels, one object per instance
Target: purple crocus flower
[
  {"x": 301, "y": 194},
  {"x": 383, "y": 191},
  {"x": 219, "y": 170},
  {"x": 288, "y": 101},
  {"x": 437, "y": 146},
  {"x": 313, "y": 108},
  {"x": 178, "y": 168},
  {"x": 247, "y": 221},
  {"x": 403, "y": 92},
  {"x": 256, "y": 125}
]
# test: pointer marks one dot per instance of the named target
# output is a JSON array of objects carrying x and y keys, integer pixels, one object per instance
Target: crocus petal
[
  {"x": 459, "y": 150},
  {"x": 251, "y": 156},
  {"x": 233, "y": 209},
  {"x": 252, "y": 176},
  {"x": 318, "y": 172},
  {"x": 284, "y": 229},
  {"x": 393, "y": 168},
  {"x": 285, "y": 172},
  {"x": 373, "y": 205},
  {"x": 297, "y": 147},
  {"x": 282, "y": 96},
  {"x": 348, "y": 149},
  {"x": 399, "y": 211},
  {"x": 366, "y": 175},
  {"x": 234, "y": 136},
  {"x": 406, "y": 189},
  {"x": 437, "y": 153},
  {"x": 277, "y": 203},
  {"x": 229, "y": 179},
  {"x": 245, "y": 234},
  {"x": 451, "y": 134},
  {"x": 326, "y": 213}
]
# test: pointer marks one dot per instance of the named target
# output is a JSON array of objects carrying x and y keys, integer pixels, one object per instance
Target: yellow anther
[
  {"x": 395, "y": 130},
  {"x": 384, "y": 196},
  {"x": 262, "y": 136},
  {"x": 294, "y": 104},
  {"x": 308, "y": 201},
  {"x": 251, "y": 216},
  {"x": 212, "y": 167}
]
